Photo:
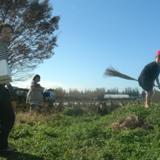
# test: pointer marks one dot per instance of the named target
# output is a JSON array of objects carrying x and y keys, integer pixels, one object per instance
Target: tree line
[{"x": 96, "y": 94}]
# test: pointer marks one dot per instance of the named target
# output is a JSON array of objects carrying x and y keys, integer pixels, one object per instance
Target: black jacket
[{"x": 149, "y": 73}]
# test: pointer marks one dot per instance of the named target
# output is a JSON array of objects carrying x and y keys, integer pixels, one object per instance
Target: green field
[{"x": 87, "y": 137}]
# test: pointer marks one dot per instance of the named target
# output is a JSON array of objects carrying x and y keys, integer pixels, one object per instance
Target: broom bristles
[{"x": 114, "y": 73}]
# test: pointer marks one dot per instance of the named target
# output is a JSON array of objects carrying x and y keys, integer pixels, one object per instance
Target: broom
[
  {"x": 111, "y": 72},
  {"x": 114, "y": 73}
]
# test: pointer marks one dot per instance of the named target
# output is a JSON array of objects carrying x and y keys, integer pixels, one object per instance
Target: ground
[{"x": 86, "y": 137}]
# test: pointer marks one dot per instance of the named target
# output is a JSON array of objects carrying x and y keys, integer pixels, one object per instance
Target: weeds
[{"x": 88, "y": 137}]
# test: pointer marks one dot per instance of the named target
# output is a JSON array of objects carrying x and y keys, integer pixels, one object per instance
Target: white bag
[{"x": 5, "y": 76}]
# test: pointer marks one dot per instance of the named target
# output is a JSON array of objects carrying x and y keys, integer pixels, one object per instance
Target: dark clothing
[
  {"x": 148, "y": 75},
  {"x": 7, "y": 117}
]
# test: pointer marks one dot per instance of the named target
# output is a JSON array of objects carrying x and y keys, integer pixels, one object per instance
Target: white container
[{"x": 5, "y": 76}]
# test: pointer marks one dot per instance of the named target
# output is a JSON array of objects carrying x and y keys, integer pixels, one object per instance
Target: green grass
[{"x": 86, "y": 137}]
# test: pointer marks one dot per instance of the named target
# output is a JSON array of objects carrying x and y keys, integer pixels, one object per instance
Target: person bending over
[{"x": 148, "y": 76}]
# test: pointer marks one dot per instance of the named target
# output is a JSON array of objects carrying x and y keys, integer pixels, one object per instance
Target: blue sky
[{"x": 96, "y": 34}]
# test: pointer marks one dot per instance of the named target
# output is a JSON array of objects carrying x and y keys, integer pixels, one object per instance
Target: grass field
[{"x": 87, "y": 137}]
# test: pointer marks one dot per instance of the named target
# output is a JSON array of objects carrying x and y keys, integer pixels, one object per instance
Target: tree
[
  {"x": 113, "y": 91},
  {"x": 33, "y": 38},
  {"x": 132, "y": 92}
]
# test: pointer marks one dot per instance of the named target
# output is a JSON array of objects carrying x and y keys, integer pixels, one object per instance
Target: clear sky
[{"x": 96, "y": 34}]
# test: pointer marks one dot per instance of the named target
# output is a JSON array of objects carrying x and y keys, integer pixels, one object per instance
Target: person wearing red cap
[{"x": 148, "y": 76}]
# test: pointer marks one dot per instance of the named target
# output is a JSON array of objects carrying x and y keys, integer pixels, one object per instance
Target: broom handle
[{"x": 125, "y": 76}]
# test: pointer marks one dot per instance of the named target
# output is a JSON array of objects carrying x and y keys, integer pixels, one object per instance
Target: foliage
[
  {"x": 75, "y": 111},
  {"x": 88, "y": 137},
  {"x": 33, "y": 39},
  {"x": 96, "y": 94}
]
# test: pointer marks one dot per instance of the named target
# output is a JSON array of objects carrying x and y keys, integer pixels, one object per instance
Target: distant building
[{"x": 116, "y": 96}]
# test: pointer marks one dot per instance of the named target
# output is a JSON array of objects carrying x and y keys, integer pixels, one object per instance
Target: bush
[{"x": 76, "y": 111}]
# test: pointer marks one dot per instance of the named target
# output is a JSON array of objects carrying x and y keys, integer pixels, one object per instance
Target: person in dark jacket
[
  {"x": 7, "y": 115},
  {"x": 147, "y": 78}
]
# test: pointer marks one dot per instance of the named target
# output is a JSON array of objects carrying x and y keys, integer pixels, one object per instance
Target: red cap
[{"x": 158, "y": 53}]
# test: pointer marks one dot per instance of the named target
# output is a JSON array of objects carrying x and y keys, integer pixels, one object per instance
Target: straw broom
[{"x": 111, "y": 72}]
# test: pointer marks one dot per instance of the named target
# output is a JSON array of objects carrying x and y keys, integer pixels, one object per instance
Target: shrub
[{"x": 76, "y": 111}]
